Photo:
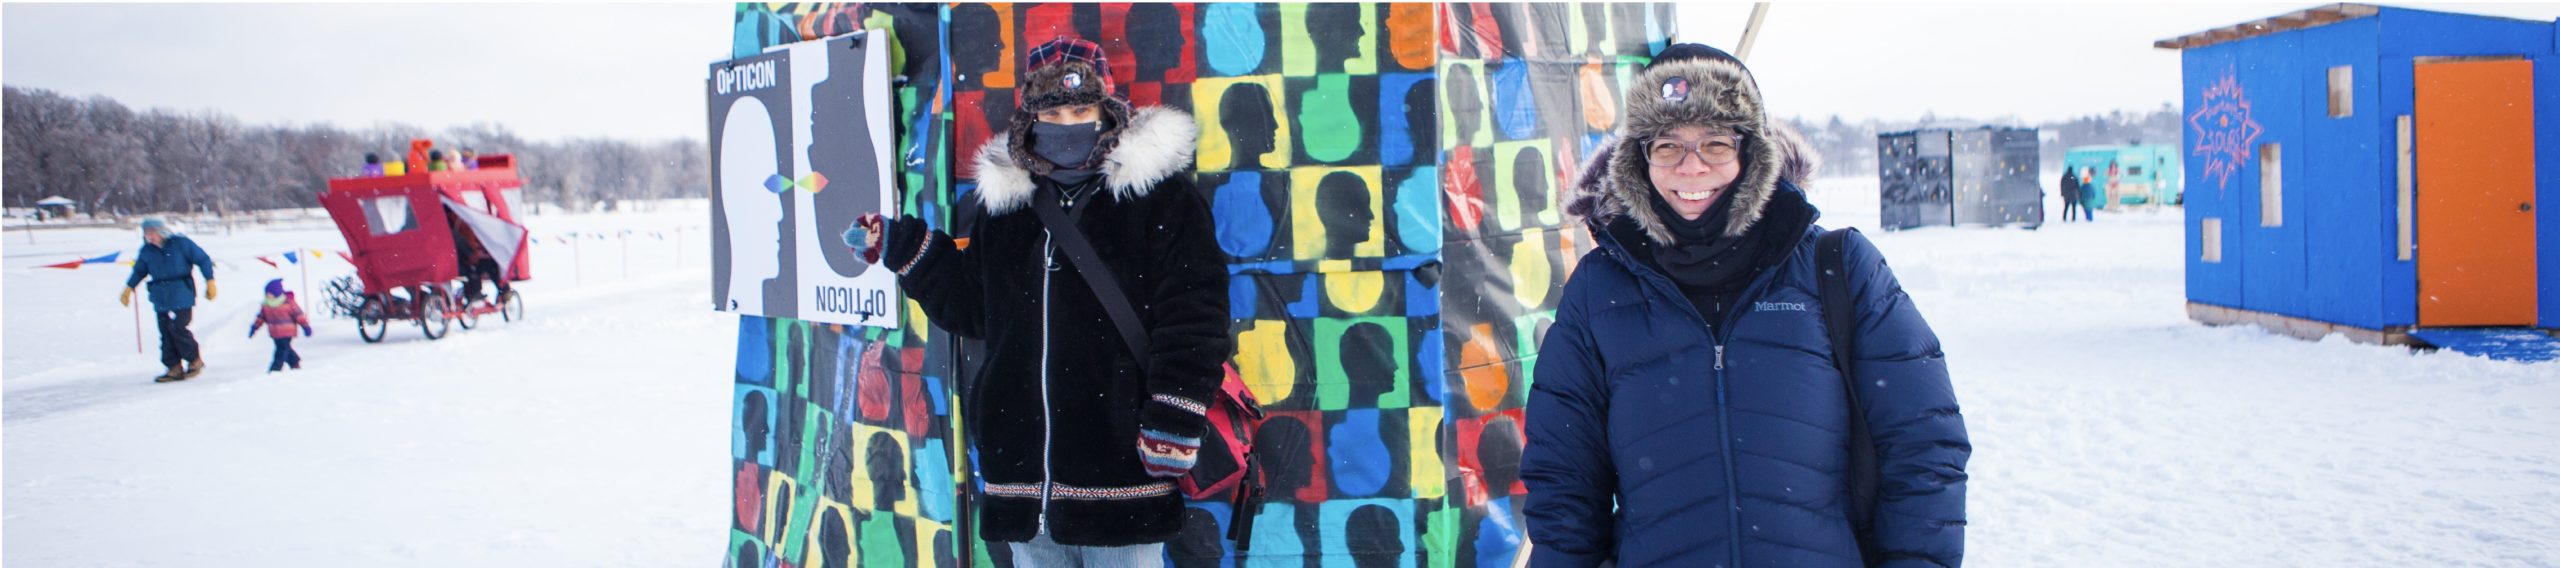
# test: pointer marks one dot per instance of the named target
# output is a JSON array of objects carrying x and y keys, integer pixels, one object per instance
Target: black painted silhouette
[
  {"x": 1344, "y": 206},
  {"x": 1291, "y": 461},
  {"x": 1498, "y": 451},
  {"x": 1466, "y": 105},
  {"x": 840, "y": 150},
  {"x": 974, "y": 55},
  {"x": 1155, "y": 38},
  {"x": 1375, "y": 537},
  {"x": 1368, "y": 363},
  {"x": 1529, "y": 182},
  {"x": 1252, "y": 129},
  {"x": 1335, "y": 30}
]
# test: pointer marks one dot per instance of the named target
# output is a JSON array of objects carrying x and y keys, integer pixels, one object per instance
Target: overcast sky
[
  {"x": 634, "y": 71},
  {"x": 2035, "y": 62}
]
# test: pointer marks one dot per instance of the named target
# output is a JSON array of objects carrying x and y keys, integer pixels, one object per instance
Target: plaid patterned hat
[{"x": 1065, "y": 71}]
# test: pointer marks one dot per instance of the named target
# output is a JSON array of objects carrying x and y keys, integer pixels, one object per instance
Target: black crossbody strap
[
  {"x": 1840, "y": 316},
  {"x": 1069, "y": 239}
]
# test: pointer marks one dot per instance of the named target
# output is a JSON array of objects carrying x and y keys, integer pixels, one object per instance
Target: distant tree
[{"x": 112, "y": 158}]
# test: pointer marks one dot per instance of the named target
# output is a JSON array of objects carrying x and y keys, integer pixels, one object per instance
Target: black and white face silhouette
[
  {"x": 748, "y": 157},
  {"x": 840, "y": 148}
]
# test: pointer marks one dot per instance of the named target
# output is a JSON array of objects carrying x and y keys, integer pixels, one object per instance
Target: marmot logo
[{"x": 1778, "y": 307}]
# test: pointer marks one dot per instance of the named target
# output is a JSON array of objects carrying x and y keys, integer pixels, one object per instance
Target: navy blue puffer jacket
[
  {"x": 1658, "y": 442},
  {"x": 165, "y": 266}
]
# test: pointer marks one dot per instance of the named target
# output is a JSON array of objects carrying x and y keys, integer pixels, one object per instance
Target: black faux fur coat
[{"x": 1059, "y": 399}]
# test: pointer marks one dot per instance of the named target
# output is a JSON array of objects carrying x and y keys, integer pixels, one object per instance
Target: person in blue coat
[
  {"x": 1686, "y": 410},
  {"x": 166, "y": 259}
]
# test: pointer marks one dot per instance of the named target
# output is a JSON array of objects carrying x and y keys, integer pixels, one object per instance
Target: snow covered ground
[
  {"x": 591, "y": 434},
  {"x": 2108, "y": 430}
]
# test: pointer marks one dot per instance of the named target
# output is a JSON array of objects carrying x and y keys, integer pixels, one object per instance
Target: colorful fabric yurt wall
[{"x": 1386, "y": 179}]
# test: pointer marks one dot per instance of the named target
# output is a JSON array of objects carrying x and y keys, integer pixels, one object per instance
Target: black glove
[{"x": 905, "y": 239}]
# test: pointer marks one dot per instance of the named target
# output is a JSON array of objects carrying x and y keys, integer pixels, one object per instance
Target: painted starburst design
[{"x": 2226, "y": 134}]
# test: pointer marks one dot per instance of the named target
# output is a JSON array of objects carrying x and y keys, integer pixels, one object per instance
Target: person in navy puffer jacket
[{"x": 1686, "y": 410}]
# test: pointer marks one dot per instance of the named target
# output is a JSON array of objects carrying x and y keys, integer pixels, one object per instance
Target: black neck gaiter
[{"x": 1699, "y": 254}]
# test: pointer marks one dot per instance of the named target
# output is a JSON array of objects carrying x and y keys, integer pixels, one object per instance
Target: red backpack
[{"x": 1226, "y": 463}]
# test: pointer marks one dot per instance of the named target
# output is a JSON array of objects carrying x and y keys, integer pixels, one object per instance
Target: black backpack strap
[
  {"x": 1840, "y": 319},
  {"x": 1069, "y": 239}
]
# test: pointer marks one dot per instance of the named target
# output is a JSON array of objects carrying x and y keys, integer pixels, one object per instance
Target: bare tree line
[
  {"x": 115, "y": 160},
  {"x": 1849, "y": 148}
]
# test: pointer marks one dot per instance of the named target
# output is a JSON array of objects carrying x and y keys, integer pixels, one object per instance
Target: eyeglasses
[{"x": 1714, "y": 151}]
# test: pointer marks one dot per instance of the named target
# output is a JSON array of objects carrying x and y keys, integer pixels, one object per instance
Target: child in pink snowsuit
[{"x": 281, "y": 316}]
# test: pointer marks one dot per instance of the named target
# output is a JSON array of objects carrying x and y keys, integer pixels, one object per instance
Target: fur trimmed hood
[
  {"x": 1707, "y": 92},
  {"x": 1155, "y": 143}
]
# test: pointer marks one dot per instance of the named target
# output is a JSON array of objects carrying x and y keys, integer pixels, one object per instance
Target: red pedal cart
[{"x": 411, "y": 237}]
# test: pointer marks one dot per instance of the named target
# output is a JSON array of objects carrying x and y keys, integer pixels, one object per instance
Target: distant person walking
[
  {"x": 2092, "y": 192},
  {"x": 165, "y": 260},
  {"x": 2070, "y": 194}
]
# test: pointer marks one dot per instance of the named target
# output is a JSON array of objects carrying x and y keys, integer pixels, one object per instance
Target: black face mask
[{"x": 1066, "y": 146}]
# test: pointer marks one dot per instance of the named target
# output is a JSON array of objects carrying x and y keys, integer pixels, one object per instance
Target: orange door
[{"x": 2475, "y": 193}]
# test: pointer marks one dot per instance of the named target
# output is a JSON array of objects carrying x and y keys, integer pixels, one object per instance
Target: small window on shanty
[
  {"x": 2212, "y": 240},
  {"x": 388, "y": 215},
  {"x": 2342, "y": 92},
  {"x": 2270, "y": 185}
]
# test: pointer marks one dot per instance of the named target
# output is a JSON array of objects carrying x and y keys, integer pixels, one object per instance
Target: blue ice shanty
[{"x": 2374, "y": 171}]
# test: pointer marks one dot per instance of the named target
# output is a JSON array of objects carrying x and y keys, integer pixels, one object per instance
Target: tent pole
[{"x": 1751, "y": 32}]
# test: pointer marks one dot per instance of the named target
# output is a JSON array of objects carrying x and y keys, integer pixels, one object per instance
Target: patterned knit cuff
[
  {"x": 1175, "y": 415},
  {"x": 932, "y": 240},
  {"x": 1167, "y": 455}
]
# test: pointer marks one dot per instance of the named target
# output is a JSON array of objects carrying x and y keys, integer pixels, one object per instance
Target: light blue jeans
[{"x": 1044, "y": 553}]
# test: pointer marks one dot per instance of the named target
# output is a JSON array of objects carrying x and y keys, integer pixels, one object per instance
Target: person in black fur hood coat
[{"x": 1078, "y": 442}]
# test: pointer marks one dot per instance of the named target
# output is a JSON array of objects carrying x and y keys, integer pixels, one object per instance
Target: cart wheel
[
  {"x": 511, "y": 306},
  {"x": 371, "y": 323},
  {"x": 469, "y": 315},
  {"x": 434, "y": 316}
]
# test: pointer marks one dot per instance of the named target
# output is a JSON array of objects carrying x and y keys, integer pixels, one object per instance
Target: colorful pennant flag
[{"x": 107, "y": 258}]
